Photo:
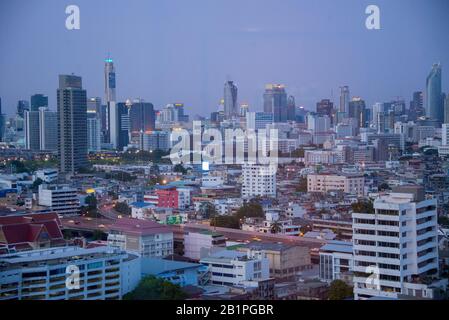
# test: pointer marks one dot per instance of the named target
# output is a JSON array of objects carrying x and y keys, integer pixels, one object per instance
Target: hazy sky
[{"x": 183, "y": 50}]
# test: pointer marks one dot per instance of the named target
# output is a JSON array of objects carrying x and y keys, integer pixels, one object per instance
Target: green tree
[
  {"x": 384, "y": 186},
  {"x": 207, "y": 210},
  {"x": 123, "y": 208},
  {"x": 302, "y": 185},
  {"x": 250, "y": 210},
  {"x": 444, "y": 221},
  {"x": 231, "y": 222},
  {"x": 153, "y": 288},
  {"x": 179, "y": 168},
  {"x": 276, "y": 227},
  {"x": 91, "y": 201},
  {"x": 363, "y": 207},
  {"x": 36, "y": 184},
  {"x": 98, "y": 235},
  {"x": 339, "y": 290}
]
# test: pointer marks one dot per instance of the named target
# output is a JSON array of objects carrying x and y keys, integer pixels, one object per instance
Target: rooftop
[{"x": 139, "y": 227}]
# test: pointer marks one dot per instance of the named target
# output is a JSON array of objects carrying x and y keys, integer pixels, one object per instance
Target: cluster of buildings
[{"x": 358, "y": 193}]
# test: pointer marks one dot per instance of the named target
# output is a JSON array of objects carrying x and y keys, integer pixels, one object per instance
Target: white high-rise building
[
  {"x": 48, "y": 129},
  {"x": 317, "y": 123},
  {"x": 93, "y": 131},
  {"x": 259, "y": 180},
  {"x": 62, "y": 199},
  {"x": 396, "y": 247},
  {"x": 443, "y": 150}
]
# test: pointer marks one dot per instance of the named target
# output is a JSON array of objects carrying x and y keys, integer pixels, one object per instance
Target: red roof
[
  {"x": 139, "y": 227},
  {"x": 20, "y": 231}
]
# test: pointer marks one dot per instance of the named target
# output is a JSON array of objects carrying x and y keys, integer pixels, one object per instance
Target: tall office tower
[
  {"x": 434, "y": 103},
  {"x": 31, "y": 126},
  {"x": 291, "y": 108},
  {"x": 123, "y": 125},
  {"x": 217, "y": 117},
  {"x": 93, "y": 131},
  {"x": 110, "y": 98},
  {"x": 170, "y": 113},
  {"x": 396, "y": 247},
  {"x": 398, "y": 107},
  {"x": 357, "y": 110},
  {"x": 258, "y": 180},
  {"x": 378, "y": 111},
  {"x": 445, "y": 134},
  {"x": 2, "y": 122},
  {"x": 325, "y": 108},
  {"x": 179, "y": 111},
  {"x": 317, "y": 123},
  {"x": 94, "y": 105},
  {"x": 244, "y": 109},
  {"x": 22, "y": 105},
  {"x": 72, "y": 124},
  {"x": 38, "y": 101},
  {"x": 417, "y": 109},
  {"x": 141, "y": 118},
  {"x": 344, "y": 99},
  {"x": 230, "y": 100},
  {"x": 275, "y": 102},
  {"x": 258, "y": 120},
  {"x": 48, "y": 129},
  {"x": 446, "y": 109},
  {"x": 104, "y": 123}
]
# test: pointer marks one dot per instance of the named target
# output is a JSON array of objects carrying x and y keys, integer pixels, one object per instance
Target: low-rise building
[
  {"x": 232, "y": 268},
  {"x": 348, "y": 183},
  {"x": 61, "y": 199},
  {"x": 336, "y": 261},
  {"x": 143, "y": 237},
  {"x": 285, "y": 260},
  {"x": 201, "y": 244}
]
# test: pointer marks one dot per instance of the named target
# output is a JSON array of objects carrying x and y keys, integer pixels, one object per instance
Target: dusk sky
[{"x": 183, "y": 51}]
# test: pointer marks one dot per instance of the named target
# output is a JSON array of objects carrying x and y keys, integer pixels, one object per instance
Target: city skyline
[{"x": 310, "y": 69}]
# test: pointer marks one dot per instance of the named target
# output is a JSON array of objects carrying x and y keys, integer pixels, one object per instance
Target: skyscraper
[
  {"x": 230, "y": 100},
  {"x": 123, "y": 125},
  {"x": 31, "y": 126},
  {"x": 325, "y": 108},
  {"x": 357, "y": 110},
  {"x": 22, "y": 105},
  {"x": 72, "y": 124},
  {"x": 110, "y": 98},
  {"x": 434, "y": 103},
  {"x": 93, "y": 131},
  {"x": 275, "y": 102},
  {"x": 37, "y": 101},
  {"x": 94, "y": 104},
  {"x": 344, "y": 99},
  {"x": 2, "y": 122},
  {"x": 291, "y": 108},
  {"x": 446, "y": 109},
  {"x": 48, "y": 129},
  {"x": 141, "y": 117},
  {"x": 417, "y": 106}
]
